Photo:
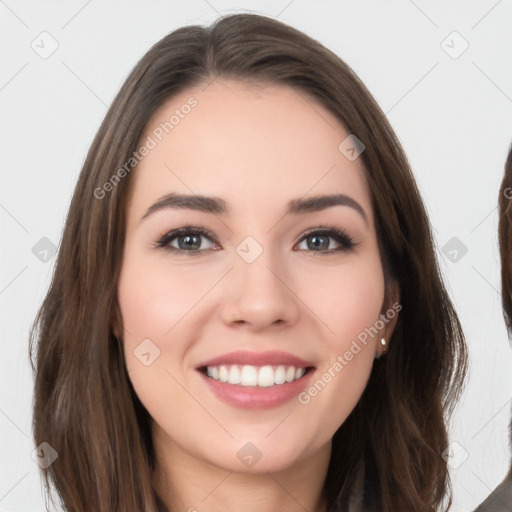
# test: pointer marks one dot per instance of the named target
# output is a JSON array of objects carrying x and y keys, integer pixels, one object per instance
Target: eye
[
  {"x": 188, "y": 240},
  {"x": 320, "y": 242}
]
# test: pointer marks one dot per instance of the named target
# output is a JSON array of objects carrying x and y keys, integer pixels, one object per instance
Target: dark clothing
[{"x": 500, "y": 499}]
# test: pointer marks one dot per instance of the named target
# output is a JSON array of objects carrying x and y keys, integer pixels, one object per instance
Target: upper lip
[{"x": 243, "y": 357}]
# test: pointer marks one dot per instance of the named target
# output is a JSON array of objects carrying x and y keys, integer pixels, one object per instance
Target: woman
[
  {"x": 500, "y": 499},
  {"x": 199, "y": 349}
]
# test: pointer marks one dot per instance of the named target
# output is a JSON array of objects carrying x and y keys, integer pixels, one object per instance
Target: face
[{"x": 273, "y": 292}]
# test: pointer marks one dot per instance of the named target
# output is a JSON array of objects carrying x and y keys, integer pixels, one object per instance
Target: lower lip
[{"x": 256, "y": 397}]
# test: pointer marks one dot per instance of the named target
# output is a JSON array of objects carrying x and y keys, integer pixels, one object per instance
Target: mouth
[
  {"x": 255, "y": 376},
  {"x": 256, "y": 380}
]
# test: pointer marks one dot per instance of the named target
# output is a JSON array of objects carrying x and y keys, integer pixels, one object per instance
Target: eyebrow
[{"x": 217, "y": 206}]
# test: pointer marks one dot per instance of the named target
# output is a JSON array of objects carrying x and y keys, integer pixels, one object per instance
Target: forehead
[{"x": 250, "y": 143}]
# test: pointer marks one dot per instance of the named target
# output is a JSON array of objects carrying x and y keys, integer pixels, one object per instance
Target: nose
[{"x": 260, "y": 294}]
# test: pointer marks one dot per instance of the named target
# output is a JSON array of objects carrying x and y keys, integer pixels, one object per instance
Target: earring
[{"x": 384, "y": 348}]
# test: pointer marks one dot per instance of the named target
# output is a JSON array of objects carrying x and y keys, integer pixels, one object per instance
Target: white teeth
[
  {"x": 234, "y": 375},
  {"x": 249, "y": 376},
  {"x": 262, "y": 376},
  {"x": 266, "y": 376},
  {"x": 280, "y": 375},
  {"x": 223, "y": 374}
]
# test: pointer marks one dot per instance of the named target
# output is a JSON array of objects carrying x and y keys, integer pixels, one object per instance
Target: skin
[{"x": 257, "y": 148}]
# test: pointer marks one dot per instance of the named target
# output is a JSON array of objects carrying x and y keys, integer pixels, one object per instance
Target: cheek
[
  {"x": 158, "y": 301},
  {"x": 348, "y": 302},
  {"x": 347, "y": 299},
  {"x": 153, "y": 297},
  {"x": 154, "y": 301}
]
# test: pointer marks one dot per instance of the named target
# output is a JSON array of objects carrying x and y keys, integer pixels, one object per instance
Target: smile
[
  {"x": 260, "y": 376},
  {"x": 255, "y": 390}
]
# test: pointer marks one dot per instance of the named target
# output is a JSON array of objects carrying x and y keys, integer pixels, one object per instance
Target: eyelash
[{"x": 347, "y": 243}]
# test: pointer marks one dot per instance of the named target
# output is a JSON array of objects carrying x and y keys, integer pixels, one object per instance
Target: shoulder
[{"x": 500, "y": 499}]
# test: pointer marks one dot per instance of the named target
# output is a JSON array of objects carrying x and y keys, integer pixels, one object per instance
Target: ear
[{"x": 389, "y": 315}]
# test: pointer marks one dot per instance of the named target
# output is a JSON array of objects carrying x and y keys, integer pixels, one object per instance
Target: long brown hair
[
  {"x": 505, "y": 240},
  {"x": 505, "y": 244},
  {"x": 388, "y": 454}
]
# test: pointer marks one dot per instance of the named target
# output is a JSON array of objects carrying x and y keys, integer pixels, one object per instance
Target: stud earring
[{"x": 383, "y": 344}]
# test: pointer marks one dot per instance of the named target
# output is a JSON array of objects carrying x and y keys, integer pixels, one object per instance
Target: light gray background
[{"x": 453, "y": 116}]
